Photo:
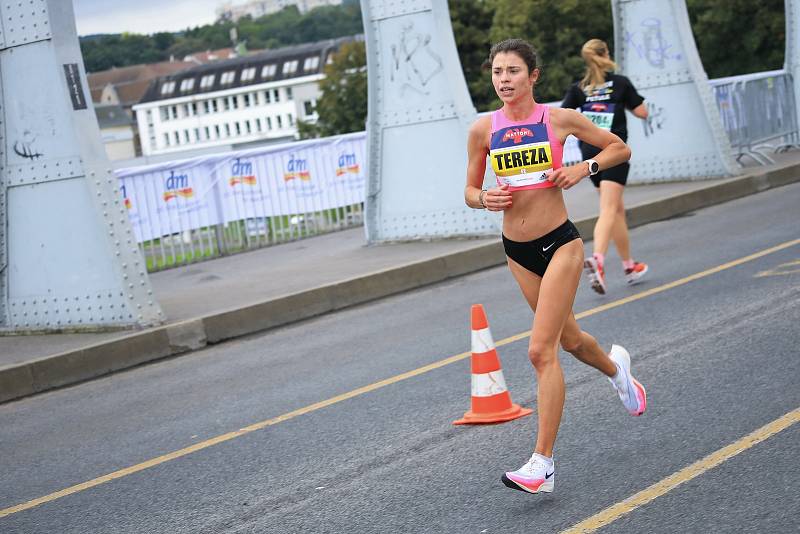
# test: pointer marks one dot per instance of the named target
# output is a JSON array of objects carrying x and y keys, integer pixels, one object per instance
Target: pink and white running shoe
[
  {"x": 631, "y": 392},
  {"x": 534, "y": 477},
  {"x": 594, "y": 272}
]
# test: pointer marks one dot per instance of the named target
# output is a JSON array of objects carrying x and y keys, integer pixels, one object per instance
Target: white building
[
  {"x": 259, "y": 8},
  {"x": 252, "y": 99}
]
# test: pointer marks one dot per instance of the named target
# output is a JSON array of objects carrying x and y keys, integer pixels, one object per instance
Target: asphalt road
[{"x": 718, "y": 354}]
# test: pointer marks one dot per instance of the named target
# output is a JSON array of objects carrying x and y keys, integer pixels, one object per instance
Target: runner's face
[{"x": 511, "y": 78}]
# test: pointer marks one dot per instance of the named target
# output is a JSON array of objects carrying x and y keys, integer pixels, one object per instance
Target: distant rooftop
[{"x": 266, "y": 66}]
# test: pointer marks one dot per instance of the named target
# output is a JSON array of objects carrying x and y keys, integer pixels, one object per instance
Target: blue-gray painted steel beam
[
  {"x": 68, "y": 257},
  {"x": 792, "y": 56},
  {"x": 683, "y": 138},
  {"x": 419, "y": 115}
]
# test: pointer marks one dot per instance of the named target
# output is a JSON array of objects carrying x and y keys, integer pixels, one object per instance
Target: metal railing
[
  {"x": 197, "y": 209},
  {"x": 758, "y": 112}
]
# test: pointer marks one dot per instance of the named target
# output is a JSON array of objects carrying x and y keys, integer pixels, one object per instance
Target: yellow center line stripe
[
  {"x": 612, "y": 513},
  {"x": 362, "y": 390}
]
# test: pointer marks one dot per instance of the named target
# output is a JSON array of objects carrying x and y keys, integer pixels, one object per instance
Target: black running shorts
[{"x": 536, "y": 255}]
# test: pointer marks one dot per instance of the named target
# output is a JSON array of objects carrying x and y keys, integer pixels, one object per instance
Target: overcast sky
[{"x": 142, "y": 16}]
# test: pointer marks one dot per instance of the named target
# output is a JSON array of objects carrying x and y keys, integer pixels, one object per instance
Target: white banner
[{"x": 290, "y": 179}]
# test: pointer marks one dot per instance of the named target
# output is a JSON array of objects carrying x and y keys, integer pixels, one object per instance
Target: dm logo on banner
[
  {"x": 242, "y": 173},
  {"x": 348, "y": 164},
  {"x": 296, "y": 169},
  {"x": 177, "y": 185}
]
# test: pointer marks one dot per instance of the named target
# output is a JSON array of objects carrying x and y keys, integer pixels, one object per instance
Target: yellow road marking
[
  {"x": 791, "y": 267},
  {"x": 365, "y": 389},
  {"x": 612, "y": 513}
]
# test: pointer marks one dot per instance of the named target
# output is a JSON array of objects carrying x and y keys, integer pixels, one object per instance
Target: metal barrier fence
[
  {"x": 200, "y": 208},
  {"x": 758, "y": 112}
]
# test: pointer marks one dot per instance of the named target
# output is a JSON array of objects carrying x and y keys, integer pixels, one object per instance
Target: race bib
[
  {"x": 521, "y": 155},
  {"x": 600, "y": 113}
]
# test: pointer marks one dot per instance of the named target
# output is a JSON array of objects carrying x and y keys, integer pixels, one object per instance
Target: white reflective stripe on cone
[
  {"x": 482, "y": 341},
  {"x": 488, "y": 384}
]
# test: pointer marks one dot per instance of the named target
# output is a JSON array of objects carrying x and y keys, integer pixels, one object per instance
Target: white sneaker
[
  {"x": 534, "y": 477},
  {"x": 631, "y": 393}
]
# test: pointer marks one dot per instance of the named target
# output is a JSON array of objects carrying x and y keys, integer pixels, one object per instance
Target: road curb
[{"x": 71, "y": 367}]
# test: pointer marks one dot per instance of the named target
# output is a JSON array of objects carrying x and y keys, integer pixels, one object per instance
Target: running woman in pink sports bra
[{"x": 523, "y": 142}]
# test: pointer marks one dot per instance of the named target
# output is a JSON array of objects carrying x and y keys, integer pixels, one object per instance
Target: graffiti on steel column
[
  {"x": 655, "y": 119},
  {"x": 414, "y": 63},
  {"x": 651, "y": 45},
  {"x": 25, "y": 149}
]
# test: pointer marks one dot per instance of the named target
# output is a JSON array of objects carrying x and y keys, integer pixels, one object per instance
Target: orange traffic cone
[{"x": 491, "y": 402}]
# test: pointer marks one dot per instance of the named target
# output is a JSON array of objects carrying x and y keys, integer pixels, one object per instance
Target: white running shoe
[
  {"x": 594, "y": 271},
  {"x": 635, "y": 274},
  {"x": 534, "y": 477},
  {"x": 631, "y": 393}
]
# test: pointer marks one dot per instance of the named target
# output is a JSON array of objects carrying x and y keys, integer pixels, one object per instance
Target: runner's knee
[{"x": 541, "y": 354}]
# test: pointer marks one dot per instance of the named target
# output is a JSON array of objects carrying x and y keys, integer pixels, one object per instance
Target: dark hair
[{"x": 521, "y": 47}]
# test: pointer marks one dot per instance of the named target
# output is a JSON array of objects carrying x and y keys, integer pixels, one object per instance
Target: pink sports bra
[{"x": 526, "y": 152}]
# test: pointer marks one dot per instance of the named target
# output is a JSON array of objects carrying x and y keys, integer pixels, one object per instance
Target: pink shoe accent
[
  {"x": 641, "y": 397},
  {"x": 528, "y": 484}
]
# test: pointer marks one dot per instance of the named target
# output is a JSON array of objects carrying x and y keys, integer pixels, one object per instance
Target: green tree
[
  {"x": 342, "y": 108},
  {"x": 472, "y": 20},
  {"x": 557, "y": 29},
  {"x": 734, "y": 37}
]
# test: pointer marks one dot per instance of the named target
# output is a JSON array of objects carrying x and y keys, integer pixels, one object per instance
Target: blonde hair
[{"x": 598, "y": 62}]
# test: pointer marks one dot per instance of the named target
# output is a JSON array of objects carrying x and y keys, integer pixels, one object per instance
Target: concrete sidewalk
[{"x": 238, "y": 295}]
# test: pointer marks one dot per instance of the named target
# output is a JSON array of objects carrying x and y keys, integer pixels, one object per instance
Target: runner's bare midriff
[{"x": 534, "y": 213}]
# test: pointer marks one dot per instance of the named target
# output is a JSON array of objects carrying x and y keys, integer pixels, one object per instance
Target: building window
[
  {"x": 247, "y": 127},
  {"x": 214, "y": 105},
  {"x": 186, "y": 136},
  {"x": 167, "y": 88},
  {"x": 164, "y": 112},
  {"x": 248, "y": 74},
  {"x": 227, "y": 77},
  {"x": 258, "y": 125},
  {"x": 174, "y": 110},
  {"x": 247, "y": 100},
  {"x": 186, "y": 110},
  {"x": 311, "y": 63},
  {"x": 234, "y": 102},
  {"x": 187, "y": 84},
  {"x": 166, "y": 139},
  {"x": 216, "y": 131},
  {"x": 207, "y": 106},
  {"x": 207, "y": 131},
  {"x": 207, "y": 81},
  {"x": 269, "y": 123},
  {"x": 177, "y": 138},
  {"x": 308, "y": 107},
  {"x": 290, "y": 117},
  {"x": 276, "y": 95},
  {"x": 197, "y": 134},
  {"x": 227, "y": 130},
  {"x": 267, "y": 98},
  {"x": 226, "y": 104},
  {"x": 153, "y": 142},
  {"x": 279, "y": 122},
  {"x": 290, "y": 67},
  {"x": 194, "y": 108},
  {"x": 238, "y": 127},
  {"x": 289, "y": 94},
  {"x": 268, "y": 71}
]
